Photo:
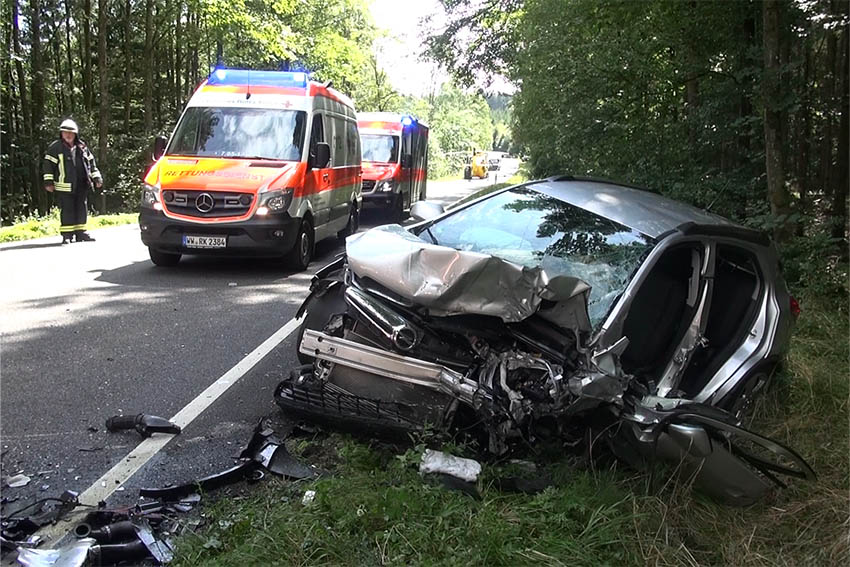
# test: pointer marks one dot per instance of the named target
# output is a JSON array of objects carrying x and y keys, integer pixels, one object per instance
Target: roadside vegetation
[
  {"x": 376, "y": 509},
  {"x": 36, "y": 226}
]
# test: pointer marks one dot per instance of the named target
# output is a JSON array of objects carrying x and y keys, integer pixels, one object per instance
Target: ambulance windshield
[
  {"x": 255, "y": 133},
  {"x": 381, "y": 148}
]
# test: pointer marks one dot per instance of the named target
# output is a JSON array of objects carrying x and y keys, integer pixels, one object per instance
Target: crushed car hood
[{"x": 453, "y": 282}]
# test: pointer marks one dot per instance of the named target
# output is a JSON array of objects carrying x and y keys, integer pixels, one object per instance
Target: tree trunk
[
  {"x": 147, "y": 66},
  {"x": 103, "y": 87},
  {"x": 22, "y": 79},
  {"x": 87, "y": 78},
  {"x": 777, "y": 193},
  {"x": 178, "y": 64},
  {"x": 804, "y": 144},
  {"x": 58, "y": 77},
  {"x": 37, "y": 116},
  {"x": 128, "y": 12},
  {"x": 71, "y": 94},
  {"x": 840, "y": 188}
]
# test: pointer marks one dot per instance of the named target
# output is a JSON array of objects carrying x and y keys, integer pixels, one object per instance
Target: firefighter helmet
[{"x": 69, "y": 125}]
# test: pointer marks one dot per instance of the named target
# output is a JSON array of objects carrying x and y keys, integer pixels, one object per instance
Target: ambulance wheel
[
  {"x": 353, "y": 223},
  {"x": 163, "y": 259},
  {"x": 397, "y": 212},
  {"x": 302, "y": 252}
]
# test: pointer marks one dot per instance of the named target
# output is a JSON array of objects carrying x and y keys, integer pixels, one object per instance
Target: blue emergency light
[
  {"x": 258, "y": 78},
  {"x": 406, "y": 120}
]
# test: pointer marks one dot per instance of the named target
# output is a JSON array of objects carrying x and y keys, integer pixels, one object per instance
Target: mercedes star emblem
[{"x": 204, "y": 202}]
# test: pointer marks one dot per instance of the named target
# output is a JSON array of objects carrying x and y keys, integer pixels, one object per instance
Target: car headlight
[
  {"x": 275, "y": 201},
  {"x": 386, "y": 185},
  {"x": 150, "y": 197}
]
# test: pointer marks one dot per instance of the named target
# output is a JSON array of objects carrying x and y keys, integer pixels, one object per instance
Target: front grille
[
  {"x": 224, "y": 203},
  {"x": 368, "y": 186}
]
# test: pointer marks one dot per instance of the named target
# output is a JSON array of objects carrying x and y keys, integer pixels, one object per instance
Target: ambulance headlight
[
  {"x": 385, "y": 186},
  {"x": 275, "y": 201},
  {"x": 150, "y": 197}
]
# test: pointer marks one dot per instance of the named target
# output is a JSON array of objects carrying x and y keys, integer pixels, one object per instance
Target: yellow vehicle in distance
[{"x": 482, "y": 163}]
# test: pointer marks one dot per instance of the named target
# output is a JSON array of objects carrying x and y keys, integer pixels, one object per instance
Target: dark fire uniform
[{"x": 72, "y": 171}]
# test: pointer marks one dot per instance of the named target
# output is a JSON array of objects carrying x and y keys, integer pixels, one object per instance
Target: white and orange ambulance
[
  {"x": 395, "y": 160},
  {"x": 261, "y": 163}
]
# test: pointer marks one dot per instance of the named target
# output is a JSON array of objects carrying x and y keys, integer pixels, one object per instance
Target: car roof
[{"x": 639, "y": 209}]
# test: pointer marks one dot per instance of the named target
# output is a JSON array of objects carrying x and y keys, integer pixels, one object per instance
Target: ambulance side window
[{"x": 317, "y": 134}]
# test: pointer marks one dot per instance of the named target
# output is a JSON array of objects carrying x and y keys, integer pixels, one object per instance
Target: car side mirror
[
  {"x": 323, "y": 155},
  {"x": 424, "y": 210},
  {"x": 159, "y": 144},
  {"x": 406, "y": 160}
]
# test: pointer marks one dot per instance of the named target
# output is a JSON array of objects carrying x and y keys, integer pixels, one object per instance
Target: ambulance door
[
  {"x": 338, "y": 196},
  {"x": 407, "y": 165},
  {"x": 317, "y": 180}
]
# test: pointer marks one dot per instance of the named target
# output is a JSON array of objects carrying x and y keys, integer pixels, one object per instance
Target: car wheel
[
  {"x": 302, "y": 251},
  {"x": 397, "y": 213},
  {"x": 163, "y": 259},
  {"x": 353, "y": 223}
]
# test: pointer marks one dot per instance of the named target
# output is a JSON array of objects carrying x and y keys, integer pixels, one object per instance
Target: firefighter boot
[
  {"x": 67, "y": 238},
  {"x": 82, "y": 236}
]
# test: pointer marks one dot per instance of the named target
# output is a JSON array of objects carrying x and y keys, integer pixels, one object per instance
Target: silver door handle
[{"x": 325, "y": 176}]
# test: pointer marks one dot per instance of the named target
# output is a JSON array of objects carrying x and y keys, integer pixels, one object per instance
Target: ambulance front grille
[{"x": 207, "y": 204}]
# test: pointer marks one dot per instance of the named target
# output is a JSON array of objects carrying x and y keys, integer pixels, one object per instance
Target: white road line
[{"x": 144, "y": 451}]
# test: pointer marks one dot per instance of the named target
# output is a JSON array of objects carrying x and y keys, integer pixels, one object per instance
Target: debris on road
[
  {"x": 72, "y": 555},
  {"x": 17, "y": 481},
  {"x": 145, "y": 424},
  {"x": 264, "y": 451},
  {"x": 309, "y": 497}
]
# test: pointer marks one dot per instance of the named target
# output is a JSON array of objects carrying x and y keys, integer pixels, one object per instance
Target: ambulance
[
  {"x": 395, "y": 160},
  {"x": 261, "y": 163}
]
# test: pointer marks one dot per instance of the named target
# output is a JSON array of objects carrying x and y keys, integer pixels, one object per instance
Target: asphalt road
[{"x": 92, "y": 330}]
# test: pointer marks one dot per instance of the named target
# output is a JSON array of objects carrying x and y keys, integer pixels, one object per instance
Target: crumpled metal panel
[{"x": 452, "y": 282}]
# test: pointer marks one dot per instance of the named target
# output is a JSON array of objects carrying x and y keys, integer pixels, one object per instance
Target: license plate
[{"x": 204, "y": 241}]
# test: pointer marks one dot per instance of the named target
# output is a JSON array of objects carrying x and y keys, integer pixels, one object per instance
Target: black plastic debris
[
  {"x": 145, "y": 424},
  {"x": 21, "y": 523},
  {"x": 264, "y": 452}
]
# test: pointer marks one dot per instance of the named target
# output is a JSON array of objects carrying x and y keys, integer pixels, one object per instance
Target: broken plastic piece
[
  {"x": 229, "y": 476},
  {"x": 271, "y": 453},
  {"x": 439, "y": 462},
  {"x": 145, "y": 424},
  {"x": 71, "y": 555},
  {"x": 18, "y": 481}
]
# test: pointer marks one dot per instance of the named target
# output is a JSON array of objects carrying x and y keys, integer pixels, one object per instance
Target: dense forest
[
  {"x": 737, "y": 107},
  {"x": 123, "y": 69}
]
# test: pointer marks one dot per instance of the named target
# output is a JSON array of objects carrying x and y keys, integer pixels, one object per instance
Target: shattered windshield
[
  {"x": 532, "y": 230},
  {"x": 257, "y": 133},
  {"x": 383, "y": 148}
]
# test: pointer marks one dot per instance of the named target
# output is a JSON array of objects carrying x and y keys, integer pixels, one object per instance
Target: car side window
[{"x": 317, "y": 133}]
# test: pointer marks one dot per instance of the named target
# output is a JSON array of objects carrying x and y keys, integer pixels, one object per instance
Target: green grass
[
  {"x": 377, "y": 510},
  {"x": 37, "y": 227}
]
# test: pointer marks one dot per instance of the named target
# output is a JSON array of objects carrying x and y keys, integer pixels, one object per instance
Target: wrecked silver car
[{"x": 594, "y": 314}]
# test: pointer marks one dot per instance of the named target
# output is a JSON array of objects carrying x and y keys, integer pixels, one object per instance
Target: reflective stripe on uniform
[
  {"x": 67, "y": 228},
  {"x": 95, "y": 174},
  {"x": 51, "y": 158},
  {"x": 61, "y": 180},
  {"x": 59, "y": 186},
  {"x": 48, "y": 177}
]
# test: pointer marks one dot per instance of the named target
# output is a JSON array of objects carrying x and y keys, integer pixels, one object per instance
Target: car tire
[
  {"x": 163, "y": 259},
  {"x": 353, "y": 223},
  {"x": 740, "y": 401},
  {"x": 397, "y": 212},
  {"x": 302, "y": 251}
]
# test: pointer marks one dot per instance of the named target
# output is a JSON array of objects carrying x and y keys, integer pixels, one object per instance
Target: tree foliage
[{"x": 739, "y": 107}]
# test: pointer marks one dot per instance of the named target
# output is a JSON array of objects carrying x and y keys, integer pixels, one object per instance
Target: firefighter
[{"x": 69, "y": 173}]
